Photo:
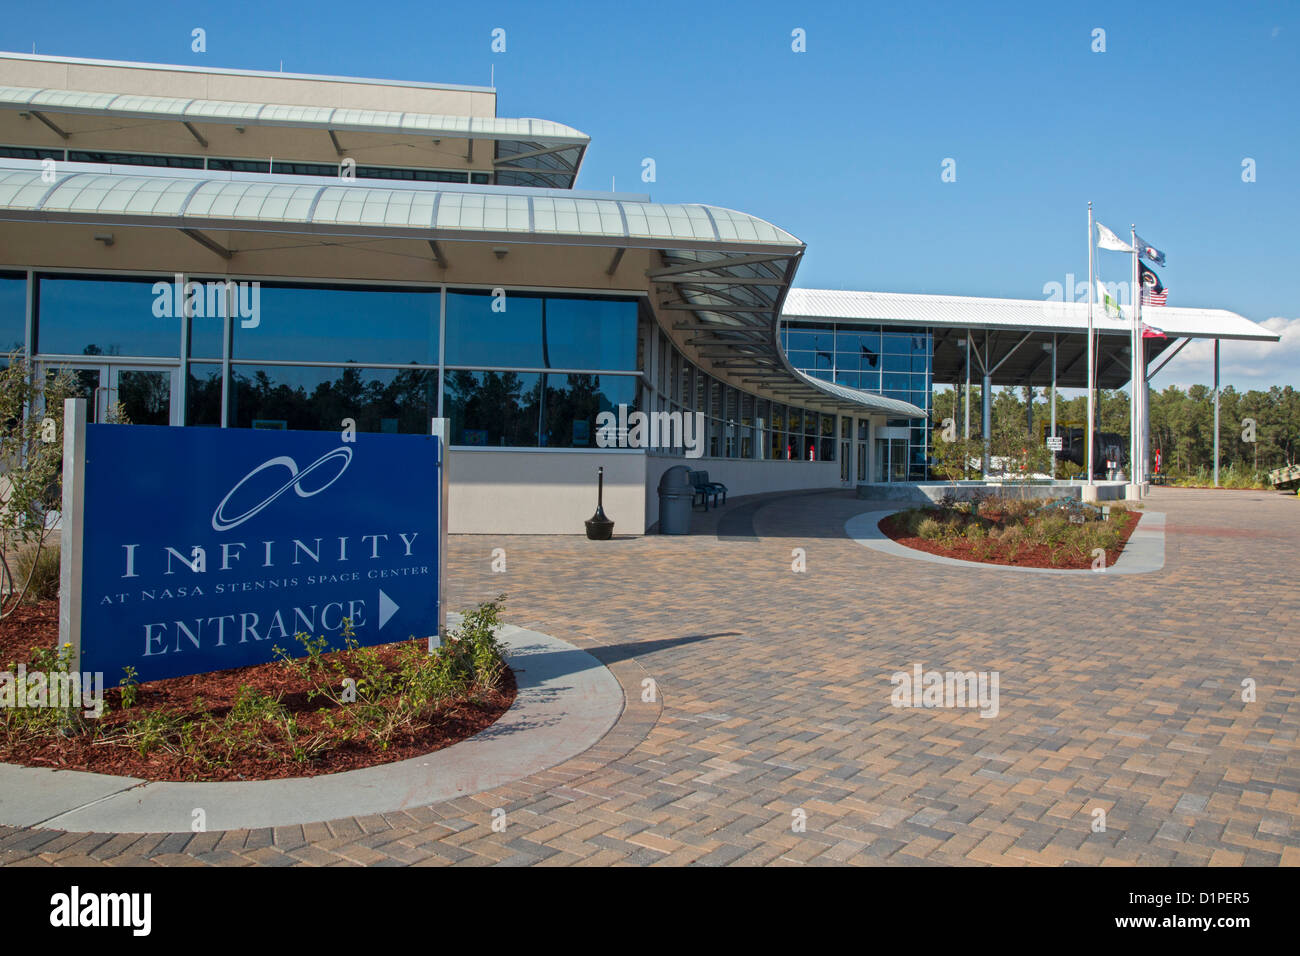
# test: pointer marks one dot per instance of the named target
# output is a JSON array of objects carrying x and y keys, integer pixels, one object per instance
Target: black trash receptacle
[{"x": 675, "y": 496}]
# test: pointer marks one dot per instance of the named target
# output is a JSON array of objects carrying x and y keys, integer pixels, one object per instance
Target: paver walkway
[{"x": 772, "y": 705}]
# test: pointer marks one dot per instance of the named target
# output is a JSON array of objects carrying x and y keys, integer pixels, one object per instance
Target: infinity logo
[{"x": 222, "y": 523}]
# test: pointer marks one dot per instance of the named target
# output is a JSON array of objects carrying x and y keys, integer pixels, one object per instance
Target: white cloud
[{"x": 1243, "y": 365}]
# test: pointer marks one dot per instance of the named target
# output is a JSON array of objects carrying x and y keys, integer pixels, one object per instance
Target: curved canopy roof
[
  {"x": 725, "y": 272},
  {"x": 529, "y": 151},
  {"x": 209, "y": 200},
  {"x": 734, "y": 303}
]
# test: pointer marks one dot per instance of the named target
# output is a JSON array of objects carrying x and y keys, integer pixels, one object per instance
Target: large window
[
  {"x": 103, "y": 316},
  {"x": 333, "y": 324},
  {"x": 527, "y": 331},
  {"x": 319, "y": 399},
  {"x": 532, "y": 409},
  {"x": 13, "y": 313}
]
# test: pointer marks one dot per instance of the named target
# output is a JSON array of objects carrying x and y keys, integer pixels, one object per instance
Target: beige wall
[
  {"x": 743, "y": 476},
  {"x": 494, "y": 491},
  {"x": 164, "y": 251},
  {"x": 256, "y": 142},
  {"x": 150, "y": 80}
]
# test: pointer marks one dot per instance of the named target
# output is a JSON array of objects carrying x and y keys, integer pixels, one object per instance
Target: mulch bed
[
  {"x": 37, "y": 625},
  {"x": 989, "y": 552}
]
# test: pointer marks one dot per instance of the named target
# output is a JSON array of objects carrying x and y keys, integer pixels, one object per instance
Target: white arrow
[{"x": 387, "y": 608}]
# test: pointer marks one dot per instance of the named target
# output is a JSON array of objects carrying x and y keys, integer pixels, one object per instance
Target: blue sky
[{"x": 843, "y": 144}]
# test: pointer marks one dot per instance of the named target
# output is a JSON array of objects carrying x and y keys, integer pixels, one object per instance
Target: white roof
[
  {"x": 341, "y": 119},
  {"x": 211, "y": 200},
  {"x": 1025, "y": 314}
]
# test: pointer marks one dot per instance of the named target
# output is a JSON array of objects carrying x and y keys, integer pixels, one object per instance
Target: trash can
[{"x": 675, "y": 496}]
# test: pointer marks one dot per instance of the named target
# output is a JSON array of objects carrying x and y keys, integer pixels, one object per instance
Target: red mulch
[
  {"x": 37, "y": 625},
  {"x": 1038, "y": 556}
]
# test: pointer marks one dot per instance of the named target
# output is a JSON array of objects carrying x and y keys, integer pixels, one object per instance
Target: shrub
[
  {"x": 41, "y": 565},
  {"x": 931, "y": 529}
]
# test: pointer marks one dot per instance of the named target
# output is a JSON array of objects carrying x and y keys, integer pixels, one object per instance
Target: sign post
[
  {"x": 441, "y": 430},
  {"x": 72, "y": 514}
]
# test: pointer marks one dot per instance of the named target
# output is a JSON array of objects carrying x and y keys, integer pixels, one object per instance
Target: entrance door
[
  {"x": 891, "y": 459},
  {"x": 144, "y": 392},
  {"x": 861, "y": 448},
  {"x": 898, "y": 459}
]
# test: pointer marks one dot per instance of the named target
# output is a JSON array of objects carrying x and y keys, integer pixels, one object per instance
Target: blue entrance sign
[{"x": 204, "y": 548}]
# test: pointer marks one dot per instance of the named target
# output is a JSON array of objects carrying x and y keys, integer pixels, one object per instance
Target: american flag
[{"x": 1154, "y": 298}]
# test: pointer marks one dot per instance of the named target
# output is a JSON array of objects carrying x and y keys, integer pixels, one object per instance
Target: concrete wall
[
  {"x": 923, "y": 494},
  {"x": 498, "y": 491},
  {"x": 742, "y": 476}
]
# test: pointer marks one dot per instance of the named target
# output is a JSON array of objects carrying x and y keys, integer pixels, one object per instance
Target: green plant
[
  {"x": 31, "y": 447},
  {"x": 40, "y": 568},
  {"x": 130, "y": 685},
  {"x": 930, "y": 529}
]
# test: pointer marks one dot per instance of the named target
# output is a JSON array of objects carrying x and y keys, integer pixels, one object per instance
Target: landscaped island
[
  {"x": 319, "y": 708},
  {"x": 1061, "y": 533}
]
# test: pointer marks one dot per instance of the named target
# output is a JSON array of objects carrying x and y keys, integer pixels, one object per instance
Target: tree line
[{"x": 1258, "y": 430}]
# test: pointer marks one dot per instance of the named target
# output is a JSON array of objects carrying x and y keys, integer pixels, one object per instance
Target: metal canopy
[
  {"x": 529, "y": 152},
  {"x": 1015, "y": 332},
  {"x": 736, "y": 302},
  {"x": 203, "y": 199},
  {"x": 727, "y": 270}
]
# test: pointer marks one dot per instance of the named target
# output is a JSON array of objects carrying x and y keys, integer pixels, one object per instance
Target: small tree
[
  {"x": 31, "y": 462},
  {"x": 952, "y": 459}
]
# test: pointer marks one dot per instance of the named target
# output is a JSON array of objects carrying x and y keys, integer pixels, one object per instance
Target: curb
[
  {"x": 1144, "y": 552},
  {"x": 567, "y": 701}
]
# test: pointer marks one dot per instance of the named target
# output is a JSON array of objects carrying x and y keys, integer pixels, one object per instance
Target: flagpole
[
  {"x": 1134, "y": 438},
  {"x": 1088, "y": 438}
]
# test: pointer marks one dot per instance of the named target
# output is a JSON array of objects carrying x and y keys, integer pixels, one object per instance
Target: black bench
[{"x": 704, "y": 488}]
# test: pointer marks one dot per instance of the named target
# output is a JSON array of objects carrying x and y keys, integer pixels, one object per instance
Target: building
[{"x": 224, "y": 248}]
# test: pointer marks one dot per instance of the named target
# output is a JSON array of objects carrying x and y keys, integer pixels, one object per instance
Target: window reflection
[
  {"x": 337, "y": 324},
  {"x": 318, "y": 399},
  {"x": 536, "y": 332},
  {"x": 103, "y": 316}
]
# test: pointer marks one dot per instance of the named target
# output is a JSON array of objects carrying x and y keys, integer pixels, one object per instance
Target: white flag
[
  {"x": 1109, "y": 305},
  {"x": 1108, "y": 240}
]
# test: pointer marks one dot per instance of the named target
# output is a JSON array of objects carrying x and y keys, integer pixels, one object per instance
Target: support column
[
  {"x": 986, "y": 403},
  {"x": 1216, "y": 413},
  {"x": 1146, "y": 420},
  {"x": 1053, "y": 399},
  {"x": 966, "y": 416}
]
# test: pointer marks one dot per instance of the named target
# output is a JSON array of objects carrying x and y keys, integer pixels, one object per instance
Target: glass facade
[
  {"x": 523, "y": 370},
  {"x": 893, "y": 361},
  {"x": 737, "y": 424},
  {"x": 13, "y": 312},
  {"x": 508, "y": 368},
  {"x": 81, "y": 315}
]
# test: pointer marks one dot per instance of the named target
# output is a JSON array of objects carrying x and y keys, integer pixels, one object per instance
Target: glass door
[
  {"x": 898, "y": 459},
  {"x": 145, "y": 394},
  {"x": 89, "y": 385}
]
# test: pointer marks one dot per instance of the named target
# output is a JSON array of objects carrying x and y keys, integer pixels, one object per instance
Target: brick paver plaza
[{"x": 1121, "y": 694}]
